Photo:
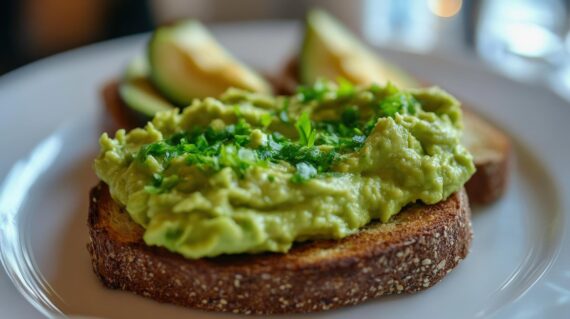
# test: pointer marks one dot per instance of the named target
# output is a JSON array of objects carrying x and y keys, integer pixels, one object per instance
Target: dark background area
[
  {"x": 29, "y": 29},
  {"x": 32, "y": 29}
]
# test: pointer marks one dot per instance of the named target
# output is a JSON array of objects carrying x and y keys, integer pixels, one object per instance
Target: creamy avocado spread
[{"x": 249, "y": 173}]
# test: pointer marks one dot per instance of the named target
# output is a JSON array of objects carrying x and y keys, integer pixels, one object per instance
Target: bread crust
[
  {"x": 491, "y": 151},
  {"x": 489, "y": 182},
  {"x": 412, "y": 252},
  {"x": 120, "y": 115}
]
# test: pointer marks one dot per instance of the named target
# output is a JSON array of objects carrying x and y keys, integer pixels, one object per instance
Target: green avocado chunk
[
  {"x": 331, "y": 52},
  {"x": 249, "y": 173},
  {"x": 186, "y": 63},
  {"x": 138, "y": 93}
]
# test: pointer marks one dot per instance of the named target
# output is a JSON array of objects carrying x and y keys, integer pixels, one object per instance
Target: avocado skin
[{"x": 154, "y": 77}]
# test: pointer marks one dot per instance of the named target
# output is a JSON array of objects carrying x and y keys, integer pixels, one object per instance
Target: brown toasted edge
[
  {"x": 286, "y": 81},
  {"x": 490, "y": 181},
  {"x": 411, "y": 253},
  {"x": 120, "y": 115}
]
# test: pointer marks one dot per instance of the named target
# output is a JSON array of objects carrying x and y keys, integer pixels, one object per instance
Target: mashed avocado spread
[{"x": 249, "y": 173}]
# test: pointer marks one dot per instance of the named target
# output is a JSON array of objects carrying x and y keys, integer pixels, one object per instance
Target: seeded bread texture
[{"x": 412, "y": 252}]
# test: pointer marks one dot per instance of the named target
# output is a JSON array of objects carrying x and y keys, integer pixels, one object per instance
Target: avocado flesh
[
  {"x": 138, "y": 93},
  {"x": 331, "y": 52},
  {"x": 186, "y": 63},
  {"x": 141, "y": 96}
]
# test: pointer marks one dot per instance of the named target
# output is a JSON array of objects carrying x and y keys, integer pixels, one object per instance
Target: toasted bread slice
[
  {"x": 410, "y": 253},
  {"x": 120, "y": 115},
  {"x": 490, "y": 147},
  {"x": 491, "y": 151}
]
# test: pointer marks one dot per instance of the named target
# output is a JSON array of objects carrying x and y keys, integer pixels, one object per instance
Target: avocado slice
[
  {"x": 186, "y": 62},
  {"x": 137, "y": 68},
  {"x": 331, "y": 52},
  {"x": 138, "y": 93}
]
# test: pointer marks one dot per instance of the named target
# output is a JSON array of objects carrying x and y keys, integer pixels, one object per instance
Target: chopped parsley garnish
[
  {"x": 396, "y": 103},
  {"x": 307, "y": 134},
  {"x": 266, "y": 120},
  {"x": 350, "y": 116},
  {"x": 160, "y": 184},
  {"x": 283, "y": 111},
  {"x": 315, "y": 92},
  {"x": 345, "y": 88},
  {"x": 319, "y": 145}
]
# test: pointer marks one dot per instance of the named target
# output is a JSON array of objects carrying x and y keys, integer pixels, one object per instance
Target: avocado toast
[
  {"x": 256, "y": 204},
  {"x": 252, "y": 203},
  {"x": 412, "y": 252}
]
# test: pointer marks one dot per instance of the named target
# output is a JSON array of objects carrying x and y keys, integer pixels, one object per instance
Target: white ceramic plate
[{"x": 519, "y": 265}]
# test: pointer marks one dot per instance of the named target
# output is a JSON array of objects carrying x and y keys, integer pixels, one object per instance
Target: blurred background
[{"x": 528, "y": 40}]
